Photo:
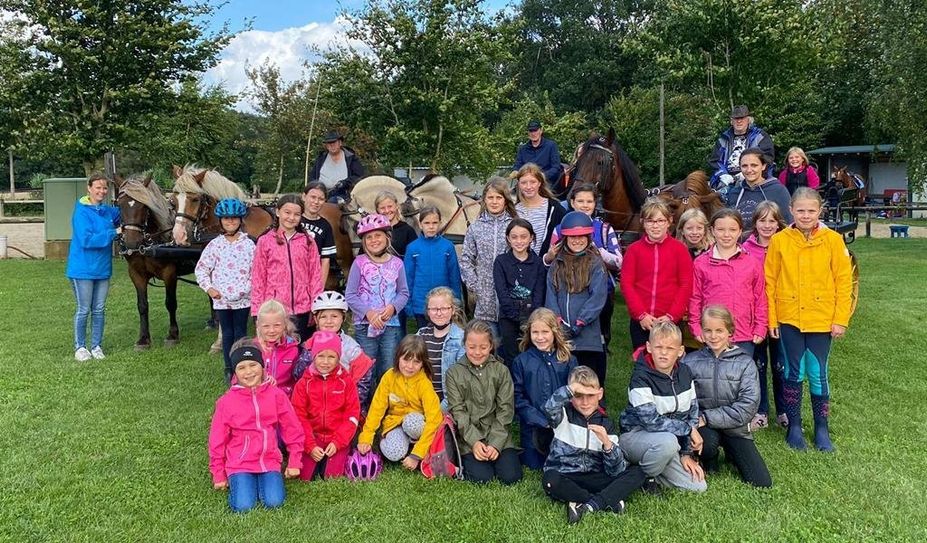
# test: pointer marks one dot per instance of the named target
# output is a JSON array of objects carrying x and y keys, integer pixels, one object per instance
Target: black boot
[{"x": 820, "y": 407}]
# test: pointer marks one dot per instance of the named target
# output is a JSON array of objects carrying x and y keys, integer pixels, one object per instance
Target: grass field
[{"x": 115, "y": 450}]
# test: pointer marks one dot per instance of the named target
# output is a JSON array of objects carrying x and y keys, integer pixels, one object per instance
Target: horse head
[
  {"x": 600, "y": 161},
  {"x": 189, "y": 201},
  {"x": 139, "y": 226}
]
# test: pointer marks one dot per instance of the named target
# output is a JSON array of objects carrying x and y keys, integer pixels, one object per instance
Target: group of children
[{"x": 551, "y": 312}]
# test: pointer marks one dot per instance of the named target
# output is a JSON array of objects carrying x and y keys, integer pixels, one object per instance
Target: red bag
[{"x": 443, "y": 458}]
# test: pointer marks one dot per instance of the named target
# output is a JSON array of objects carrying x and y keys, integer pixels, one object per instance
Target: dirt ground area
[{"x": 25, "y": 236}]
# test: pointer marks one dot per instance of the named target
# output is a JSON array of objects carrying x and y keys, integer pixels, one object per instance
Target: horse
[
  {"x": 693, "y": 192},
  {"x": 147, "y": 220},
  {"x": 843, "y": 189}
]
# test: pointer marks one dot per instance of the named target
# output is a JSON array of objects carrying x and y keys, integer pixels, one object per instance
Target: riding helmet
[
  {"x": 231, "y": 207},
  {"x": 372, "y": 223},
  {"x": 576, "y": 223}
]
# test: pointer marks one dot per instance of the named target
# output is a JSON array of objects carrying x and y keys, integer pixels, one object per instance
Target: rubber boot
[
  {"x": 791, "y": 396},
  {"x": 820, "y": 407}
]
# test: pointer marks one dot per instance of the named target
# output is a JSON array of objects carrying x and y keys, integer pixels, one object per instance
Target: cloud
[{"x": 288, "y": 49}]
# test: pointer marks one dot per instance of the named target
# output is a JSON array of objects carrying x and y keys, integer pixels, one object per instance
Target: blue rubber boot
[
  {"x": 820, "y": 407},
  {"x": 791, "y": 396}
]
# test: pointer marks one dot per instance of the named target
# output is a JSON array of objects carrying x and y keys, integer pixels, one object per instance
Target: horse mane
[
  {"x": 637, "y": 194},
  {"x": 151, "y": 197},
  {"x": 625, "y": 166},
  {"x": 366, "y": 190},
  {"x": 214, "y": 184}
]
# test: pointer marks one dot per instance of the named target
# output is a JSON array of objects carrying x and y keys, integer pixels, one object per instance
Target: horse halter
[{"x": 195, "y": 222}]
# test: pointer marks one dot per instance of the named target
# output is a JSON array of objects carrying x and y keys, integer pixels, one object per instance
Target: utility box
[{"x": 60, "y": 196}]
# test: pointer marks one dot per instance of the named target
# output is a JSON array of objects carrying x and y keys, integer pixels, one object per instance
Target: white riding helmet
[{"x": 329, "y": 300}]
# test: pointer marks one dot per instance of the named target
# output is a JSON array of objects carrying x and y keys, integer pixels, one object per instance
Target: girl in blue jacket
[
  {"x": 542, "y": 367},
  {"x": 90, "y": 264},
  {"x": 430, "y": 262}
]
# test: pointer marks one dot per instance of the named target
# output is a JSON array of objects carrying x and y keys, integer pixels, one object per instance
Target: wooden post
[
  {"x": 868, "y": 224},
  {"x": 12, "y": 173},
  {"x": 662, "y": 143},
  {"x": 318, "y": 88}
]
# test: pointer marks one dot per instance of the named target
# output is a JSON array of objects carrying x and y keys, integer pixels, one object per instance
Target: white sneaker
[
  {"x": 82, "y": 355},
  {"x": 97, "y": 353}
]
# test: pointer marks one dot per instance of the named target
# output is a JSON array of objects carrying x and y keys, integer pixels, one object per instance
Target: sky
[{"x": 282, "y": 32}]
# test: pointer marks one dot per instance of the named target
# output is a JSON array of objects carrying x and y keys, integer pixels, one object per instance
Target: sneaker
[
  {"x": 575, "y": 511},
  {"x": 82, "y": 355},
  {"x": 619, "y": 509},
  {"x": 97, "y": 353},
  {"x": 761, "y": 420},
  {"x": 652, "y": 487}
]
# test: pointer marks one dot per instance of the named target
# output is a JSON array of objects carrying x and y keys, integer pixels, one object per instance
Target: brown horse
[
  {"x": 693, "y": 192},
  {"x": 147, "y": 220}
]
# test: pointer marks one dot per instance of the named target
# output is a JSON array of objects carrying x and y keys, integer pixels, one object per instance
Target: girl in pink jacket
[
  {"x": 286, "y": 266},
  {"x": 243, "y": 453},
  {"x": 728, "y": 276}
]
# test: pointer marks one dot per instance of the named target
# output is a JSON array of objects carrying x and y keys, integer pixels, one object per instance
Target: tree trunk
[
  {"x": 279, "y": 177},
  {"x": 12, "y": 174}
]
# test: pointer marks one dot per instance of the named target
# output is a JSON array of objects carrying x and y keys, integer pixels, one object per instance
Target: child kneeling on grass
[
  {"x": 585, "y": 467},
  {"x": 410, "y": 405},
  {"x": 243, "y": 456},
  {"x": 325, "y": 400},
  {"x": 479, "y": 395}
]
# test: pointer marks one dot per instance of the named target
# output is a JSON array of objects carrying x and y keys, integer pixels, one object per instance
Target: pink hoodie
[
  {"x": 739, "y": 284},
  {"x": 243, "y": 435},
  {"x": 285, "y": 270}
]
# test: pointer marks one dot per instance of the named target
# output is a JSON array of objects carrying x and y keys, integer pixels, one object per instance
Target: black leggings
[
  {"x": 510, "y": 330},
  {"x": 506, "y": 468},
  {"x": 581, "y": 487},
  {"x": 741, "y": 451}
]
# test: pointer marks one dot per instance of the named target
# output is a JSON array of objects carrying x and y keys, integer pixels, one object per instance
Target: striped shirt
[{"x": 435, "y": 347}]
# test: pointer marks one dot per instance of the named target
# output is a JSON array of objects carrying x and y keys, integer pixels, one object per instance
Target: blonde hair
[
  {"x": 697, "y": 215},
  {"x": 583, "y": 375},
  {"x": 535, "y": 171},
  {"x": 457, "y": 314},
  {"x": 501, "y": 186},
  {"x": 383, "y": 196},
  {"x": 717, "y": 311},
  {"x": 545, "y": 316},
  {"x": 796, "y": 151},
  {"x": 275, "y": 308},
  {"x": 665, "y": 329},
  {"x": 806, "y": 193},
  {"x": 653, "y": 206}
]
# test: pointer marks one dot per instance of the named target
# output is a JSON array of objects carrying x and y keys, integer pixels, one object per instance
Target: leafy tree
[{"x": 568, "y": 129}]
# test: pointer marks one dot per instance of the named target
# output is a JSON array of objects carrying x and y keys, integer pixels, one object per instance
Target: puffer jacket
[
  {"x": 727, "y": 387},
  {"x": 353, "y": 359},
  {"x": 737, "y": 283},
  {"x": 327, "y": 407},
  {"x": 480, "y": 399},
  {"x": 535, "y": 376},
  {"x": 396, "y": 397},
  {"x": 279, "y": 360},
  {"x": 286, "y": 270},
  {"x": 575, "y": 449},
  {"x": 580, "y": 311},
  {"x": 661, "y": 403},
  {"x": 484, "y": 241},
  {"x": 809, "y": 283},
  {"x": 243, "y": 434},
  {"x": 429, "y": 263}
]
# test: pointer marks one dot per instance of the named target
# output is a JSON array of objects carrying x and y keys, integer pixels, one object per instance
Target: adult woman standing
[
  {"x": 90, "y": 264},
  {"x": 537, "y": 205},
  {"x": 756, "y": 188}
]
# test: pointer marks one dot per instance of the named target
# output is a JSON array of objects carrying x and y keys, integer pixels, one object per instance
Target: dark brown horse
[{"x": 693, "y": 192}]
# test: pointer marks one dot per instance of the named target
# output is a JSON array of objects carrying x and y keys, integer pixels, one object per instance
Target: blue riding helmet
[
  {"x": 231, "y": 207},
  {"x": 576, "y": 223}
]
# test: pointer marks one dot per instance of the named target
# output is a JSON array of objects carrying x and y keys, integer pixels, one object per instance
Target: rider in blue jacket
[
  {"x": 724, "y": 162},
  {"x": 543, "y": 152}
]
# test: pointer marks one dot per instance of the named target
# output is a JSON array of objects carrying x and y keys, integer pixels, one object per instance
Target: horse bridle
[
  {"x": 148, "y": 239},
  {"x": 204, "y": 206}
]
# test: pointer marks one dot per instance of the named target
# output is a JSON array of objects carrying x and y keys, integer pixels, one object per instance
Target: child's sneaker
[
  {"x": 619, "y": 509},
  {"x": 82, "y": 355},
  {"x": 652, "y": 487},
  {"x": 97, "y": 353},
  {"x": 575, "y": 511}
]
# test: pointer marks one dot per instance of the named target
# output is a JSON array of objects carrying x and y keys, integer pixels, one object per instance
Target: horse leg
[
  {"x": 141, "y": 295},
  {"x": 170, "y": 302},
  {"x": 216, "y": 346}
]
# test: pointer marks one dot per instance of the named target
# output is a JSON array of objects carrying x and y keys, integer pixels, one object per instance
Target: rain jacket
[
  {"x": 327, "y": 407},
  {"x": 396, "y": 397},
  {"x": 656, "y": 278},
  {"x": 481, "y": 401},
  {"x": 739, "y": 284},
  {"x": 93, "y": 229}
]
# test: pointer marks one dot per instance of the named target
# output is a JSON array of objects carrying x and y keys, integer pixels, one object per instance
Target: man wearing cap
[
  {"x": 543, "y": 152},
  {"x": 337, "y": 167},
  {"x": 724, "y": 162}
]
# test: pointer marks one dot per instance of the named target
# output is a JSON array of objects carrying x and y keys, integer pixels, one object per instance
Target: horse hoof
[
  {"x": 171, "y": 342},
  {"x": 139, "y": 347}
]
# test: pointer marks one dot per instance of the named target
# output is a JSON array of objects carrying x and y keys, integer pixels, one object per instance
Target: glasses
[
  {"x": 655, "y": 221},
  {"x": 440, "y": 309}
]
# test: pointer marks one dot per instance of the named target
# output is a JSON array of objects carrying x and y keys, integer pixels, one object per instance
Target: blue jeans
[
  {"x": 246, "y": 489},
  {"x": 382, "y": 349},
  {"x": 91, "y": 301},
  {"x": 234, "y": 326}
]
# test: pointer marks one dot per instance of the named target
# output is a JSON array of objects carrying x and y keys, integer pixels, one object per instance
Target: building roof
[{"x": 854, "y": 150}]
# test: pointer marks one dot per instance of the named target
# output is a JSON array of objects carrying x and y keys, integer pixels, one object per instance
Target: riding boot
[
  {"x": 820, "y": 407},
  {"x": 791, "y": 396}
]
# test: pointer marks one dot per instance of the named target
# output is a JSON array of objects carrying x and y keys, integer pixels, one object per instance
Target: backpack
[{"x": 443, "y": 457}]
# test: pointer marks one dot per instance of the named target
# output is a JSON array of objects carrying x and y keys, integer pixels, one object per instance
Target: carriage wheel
[{"x": 854, "y": 293}]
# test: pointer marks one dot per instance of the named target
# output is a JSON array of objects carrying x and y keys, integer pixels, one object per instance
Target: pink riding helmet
[
  {"x": 372, "y": 223},
  {"x": 363, "y": 467}
]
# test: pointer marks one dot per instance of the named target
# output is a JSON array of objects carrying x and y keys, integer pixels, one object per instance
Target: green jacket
[{"x": 481, "y": 399}]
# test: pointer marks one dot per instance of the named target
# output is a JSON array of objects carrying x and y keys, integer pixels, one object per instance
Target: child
[
  {"x": 767, "y": 220},
  {"x": 726, "y": 385},
  {"x": 755, "y": 187},
  {"x": 537, "y": 205},
  {"x": 409, "y": 404},
  {"x": 809, "y": 286},
  {"x": 576, "y": 291},
  {"x": 537, "y": 372},
  {"x": 484, "y": 241},
  {"x": 224, "y": 272},
  {"x": 329, "y": 309},
  {"x": 246, "y": 420},
  {"x": 656, "y": 277},
  {"x": 519, "y": 278},
  {"x": 692, "y": 230},
  {"x": 376, "y": 292},
  {"x": 274, "y": 336},
  {"x": 402, "y": 234},
  {"x": 314, "y": 196},
  {"x": 479, "y": 394},
  {"x": 586, "y": 468},
  {"x": 430, "y": 261},
  {"x": 728, "y": 276},
  {"x": 659, "y": 425},
  {"x": 583, "y": 198},
  {"x": 443, "y": 337},
  {"x": 326, "y": 402},
  {"x": 798, "y": 173},
  {"x": 286, "y": 266}
]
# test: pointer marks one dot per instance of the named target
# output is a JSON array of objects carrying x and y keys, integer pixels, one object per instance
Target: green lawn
[{"x": 116, "y": 450}]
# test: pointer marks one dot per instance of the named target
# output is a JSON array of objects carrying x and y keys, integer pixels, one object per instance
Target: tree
[
  {"x": 99, "y": 68},
  {"x": 567, "y": 128}
]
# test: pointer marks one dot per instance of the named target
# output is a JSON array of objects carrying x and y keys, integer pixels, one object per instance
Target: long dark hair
[
  {"x": 574, "y": 271},
  {"x": 413, "y": 346}
]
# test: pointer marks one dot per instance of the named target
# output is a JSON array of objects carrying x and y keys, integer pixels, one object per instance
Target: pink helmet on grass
[
  {"x": 363, "y": 467},
  {"x": 372, "y": 223}
]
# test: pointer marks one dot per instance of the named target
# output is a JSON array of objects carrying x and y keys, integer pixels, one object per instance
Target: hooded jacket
[
  {"x": 484, "y": 241},
  {"x": 756, "y": 137},
  {"x": 575, "y": 449},
  {"x": 355, "y": 167},
  {"x": 226, "y": 266},
  {"x": 579, "y": 311},
  {"x": 480, "y": 400},
  {"x": 745, "y": 198},
  {"x": 429, "y": 263},
  {"x": 93, "y": 229},
  {"x": 289, "y": 272},
  {"x": 535, "y": 376},
  {"x": 243, "y": 434},
  {"x": 727, "y": 387},
  {"x": 656, "y": 278},
  {"x": 327, "y": 407},
  {"x": 753, "y": 248},
  {"x": 396, "y": 397},
  {"x": 279, "y": 360},
  {"x": 353, "y": 359},
  {"x": 739, "y": 284}
]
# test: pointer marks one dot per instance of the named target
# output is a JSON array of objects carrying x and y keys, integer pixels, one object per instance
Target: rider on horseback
[
  {"x": 543, "y": 152},
  {"x": 724, "y": 162}
]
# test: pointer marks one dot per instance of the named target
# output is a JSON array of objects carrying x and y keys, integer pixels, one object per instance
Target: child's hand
[
  {"x": 692, "y": 468},
  {"x": 291, "y": 472},
  {"x": 837, "y": 331},
  {"x": 213, "y": 293},
  {"x": 664, "y": 318},
  {"x": 758, "y": 339},
  {"x": 330, "y": 450},
  {"x": 696, "y": 440},
  {"x": 491, "y": 453},
  {"x": 774, "y": 332},
  {"x": 648, "y": 321},
  {"x": 363, "y": 448},
  {"x": 700, "y": 339},
  {"x": 479, "y": 451},
  {"x": 221, "y": 485},
  {"x": 317, "y": 454},
  {"x": 409, "y": 463},
  {"x": 387, "y": 313},
  {"x": 602, "y": 435},
  {"x": 373, "y": 317}
]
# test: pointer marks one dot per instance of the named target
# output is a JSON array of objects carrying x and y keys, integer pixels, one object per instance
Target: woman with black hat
[{"x": 337, "y": 167}]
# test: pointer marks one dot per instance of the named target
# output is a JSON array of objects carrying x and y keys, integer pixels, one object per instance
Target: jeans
[
  {"x": 382, "y": 349},
  {"x": 91, "y": 301},
  {"x": 234, "y": 325},
  {"x": 246, "y": 489}
]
